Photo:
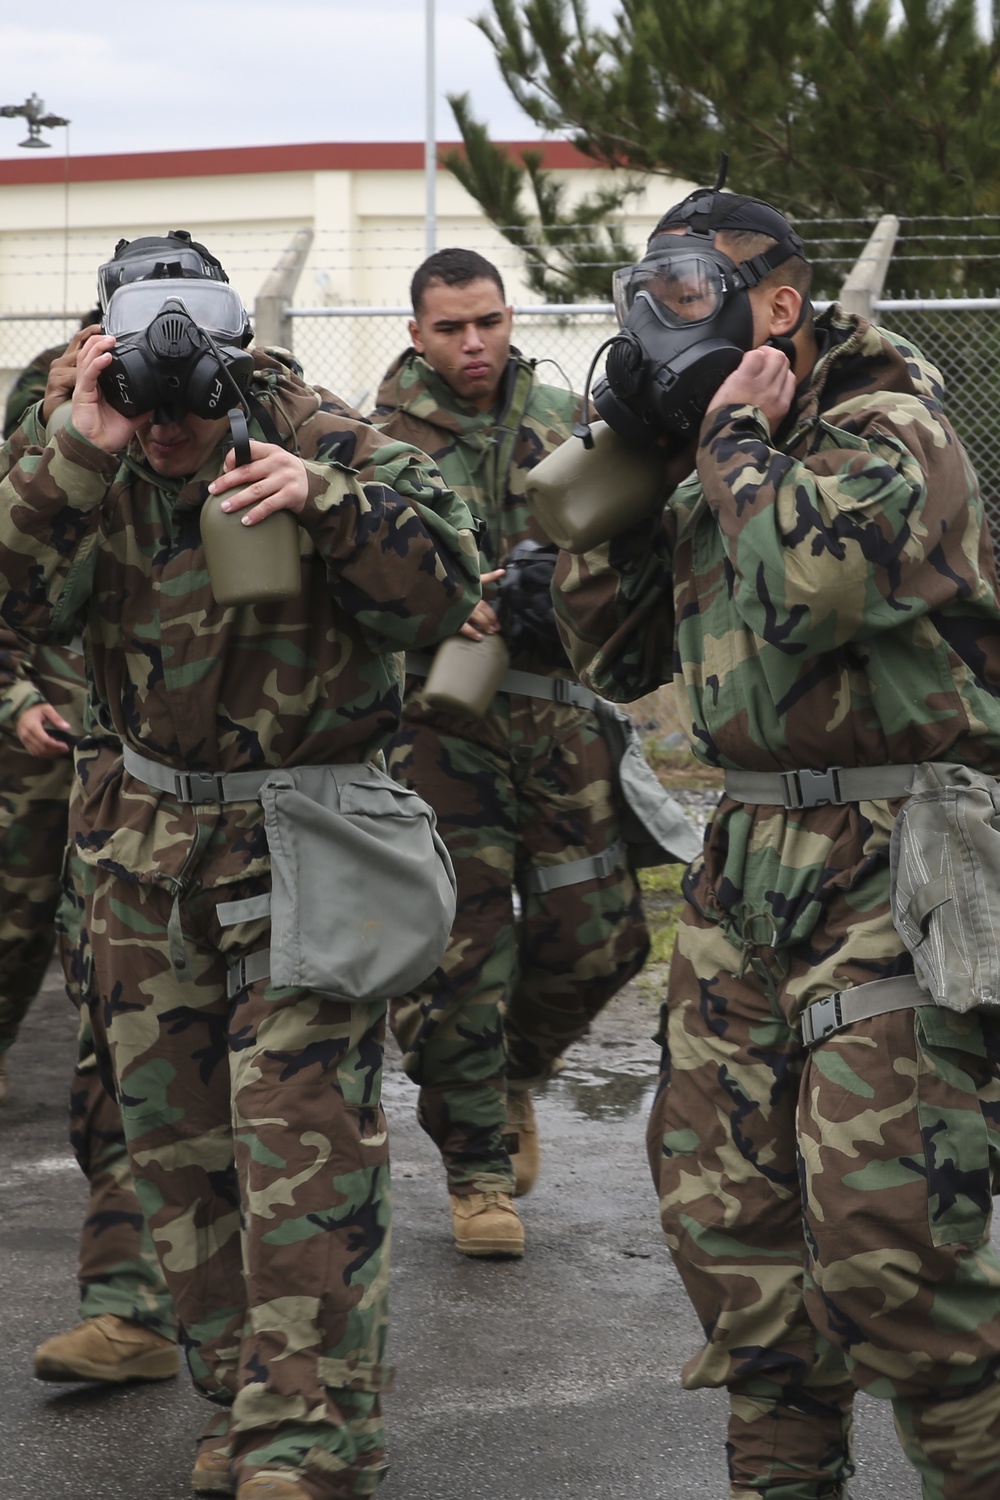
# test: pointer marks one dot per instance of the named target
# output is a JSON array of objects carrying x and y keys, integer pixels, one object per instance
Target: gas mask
[
  {"x": 180, "y": 330},
  {"x": 177, "y": 349},
  {"x": 685, "y": 317}
]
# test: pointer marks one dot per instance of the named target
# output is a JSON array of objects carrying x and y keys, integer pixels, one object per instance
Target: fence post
[
  {"x": 272, "y": 324},
  {"x": 863, "y": 286}
]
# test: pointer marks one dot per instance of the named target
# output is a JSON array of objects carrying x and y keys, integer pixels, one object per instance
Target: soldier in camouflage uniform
[
  {"x": 523, "y": 795},
  {"x": 823, "y": 590},
  {"x": 254, "y": 1123},
  {"x": 128, "y": 1328},
  {"x": 30, "y": 384}
]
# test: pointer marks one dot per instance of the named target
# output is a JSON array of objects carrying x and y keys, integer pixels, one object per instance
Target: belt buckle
[
  {"x": 821, "y": 1019},
  {"x": 198, "y": 786},
  {"x": 562, "y": 689},
  {"x": 803, "y": 789},
  {"x": 236, "y": 979}
]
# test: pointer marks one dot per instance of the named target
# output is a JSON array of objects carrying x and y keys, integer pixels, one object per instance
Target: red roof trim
[{"x": 378, "y": 156}]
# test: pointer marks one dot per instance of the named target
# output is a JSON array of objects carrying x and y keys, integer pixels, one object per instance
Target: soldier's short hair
[{"x": 453, "y": 267}]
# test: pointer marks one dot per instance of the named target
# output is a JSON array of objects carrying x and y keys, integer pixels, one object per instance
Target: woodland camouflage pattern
[
  {"x": 34, "y": 803},
  {"x": 826, "y": 599},
  {"x": 118, "y": 1269},
  {"x": 388, "y": 563},
  {"x": 118, "y": 1272},
  {"x": 527, "y": 785},
  {"x": 28, "y": 388}
]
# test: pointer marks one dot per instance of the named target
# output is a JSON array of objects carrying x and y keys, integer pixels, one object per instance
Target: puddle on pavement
[{"x": 605, "y": 1092}]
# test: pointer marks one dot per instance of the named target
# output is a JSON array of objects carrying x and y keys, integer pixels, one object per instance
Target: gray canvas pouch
[
  {"x": 654, "y": 826},
  {"x": 944, "y": 859},
  {"x": 362, "y": 886}
]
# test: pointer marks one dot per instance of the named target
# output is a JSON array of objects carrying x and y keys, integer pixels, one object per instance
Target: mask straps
[{"x": 581, "y": 429}]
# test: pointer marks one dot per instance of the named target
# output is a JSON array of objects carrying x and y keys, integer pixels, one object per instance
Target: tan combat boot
[
  {"x": 107, "y": 1348},
  {"x": 210, "y": 1475},
  {"x": 486, "y": 1224},
  {"x": 272, "y": 1487},
  {"x": 521, "y": 1140}
]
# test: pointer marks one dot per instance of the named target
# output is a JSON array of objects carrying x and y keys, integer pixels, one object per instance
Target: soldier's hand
[
  {"x": 762, "y": 378},
  {"x": 62, "y": 371},
  {"x": 484, "y": 619},
  {"x": 94, "y": 417},
  {"x": 274, "y": 479},
  {"x": 32, "y": 730}
]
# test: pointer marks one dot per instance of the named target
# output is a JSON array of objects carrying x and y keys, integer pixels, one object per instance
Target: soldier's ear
[{"x": 415, "y": 338}]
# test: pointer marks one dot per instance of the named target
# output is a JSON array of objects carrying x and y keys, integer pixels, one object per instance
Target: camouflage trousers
[
  {"x": 34, "y": 794},
  {"x": 260, "y": 1155},
  {"x": 119, "y": 1271},
  {"x": 510, "y": 996},
  {"x": 829, "y": 1212}
]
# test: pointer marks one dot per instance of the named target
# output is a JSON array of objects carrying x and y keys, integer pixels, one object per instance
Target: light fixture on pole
[{"x": 33, "y": 110}]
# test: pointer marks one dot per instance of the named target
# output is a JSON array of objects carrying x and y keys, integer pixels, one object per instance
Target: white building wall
[{"x": 368, "y": 226}]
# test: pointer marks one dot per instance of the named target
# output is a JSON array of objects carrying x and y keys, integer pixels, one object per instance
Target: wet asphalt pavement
[{"x": 553, "y": 1378}]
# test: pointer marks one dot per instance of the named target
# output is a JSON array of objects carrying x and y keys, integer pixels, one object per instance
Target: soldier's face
[
  {"x": 463, "y": 332},
  {"x": 178, "y": 449}
]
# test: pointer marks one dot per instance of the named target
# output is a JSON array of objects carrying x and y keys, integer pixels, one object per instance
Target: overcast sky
[{"x": 202, "y": 73}]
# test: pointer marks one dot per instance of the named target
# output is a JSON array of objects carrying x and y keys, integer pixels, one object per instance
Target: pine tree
[{"x": 847, "y": 108}]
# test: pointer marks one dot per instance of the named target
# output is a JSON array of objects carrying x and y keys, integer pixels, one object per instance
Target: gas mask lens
[
  {"x": 211, "y": 304},
  {"x": 681, "y": 288}
]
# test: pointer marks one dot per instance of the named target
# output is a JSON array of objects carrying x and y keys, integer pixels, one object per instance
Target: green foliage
[
  {"x": 846, "y": 108},
  {"x": 569, "y": 254}
]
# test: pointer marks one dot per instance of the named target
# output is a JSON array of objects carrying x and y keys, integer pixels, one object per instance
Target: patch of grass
[
  {"x": 662, "y": 901},
  {"x": 676, "y": 766}
]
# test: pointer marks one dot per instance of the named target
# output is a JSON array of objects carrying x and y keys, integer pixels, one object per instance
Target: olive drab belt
[
  {"x": 195, "y": 786},
  {"x": 528, "y": 684},
  {"x": 837, "y": 1011},
  {"x": 796, "y": 791}
]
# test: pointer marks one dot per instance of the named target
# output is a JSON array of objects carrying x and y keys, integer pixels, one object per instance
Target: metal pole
[{"x": 430, "y": 138}]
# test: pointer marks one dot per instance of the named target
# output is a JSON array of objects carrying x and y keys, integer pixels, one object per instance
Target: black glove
[{"x": 524, "y": 602}]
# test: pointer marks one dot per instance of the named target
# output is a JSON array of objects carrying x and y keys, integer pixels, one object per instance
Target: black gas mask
[
  {"x": 685, "y": 316},
  {"x": 180, "y": 331}
]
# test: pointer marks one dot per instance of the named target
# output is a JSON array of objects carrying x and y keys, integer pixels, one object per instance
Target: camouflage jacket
[
  {"x": 28, "y": 388},
  {"x": 40, "y": 674},
  {"x": 484, "y": 456},
  {"x": 389, "y": 563},
  {"x": 823, "y": 597}
]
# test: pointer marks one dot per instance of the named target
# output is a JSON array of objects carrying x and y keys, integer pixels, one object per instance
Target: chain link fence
[{"x": 349, "y": 349}]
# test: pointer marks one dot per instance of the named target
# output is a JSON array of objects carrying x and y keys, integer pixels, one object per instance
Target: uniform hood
[
  {"x": 875, "y": 358},
  {"x": 412, "y": 386}
]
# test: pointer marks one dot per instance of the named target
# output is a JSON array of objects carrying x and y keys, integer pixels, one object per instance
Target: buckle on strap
[
  {"x": 199, "y": 786},
  {"x": 248, "y": 970},
  {"x": 804, "y": 789},
  {"x": 822, "y": 1019}
]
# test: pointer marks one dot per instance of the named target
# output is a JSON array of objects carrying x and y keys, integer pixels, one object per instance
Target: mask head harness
[
  {"x": 181, "y": 331},
  {"x": 685, "y": 317}
]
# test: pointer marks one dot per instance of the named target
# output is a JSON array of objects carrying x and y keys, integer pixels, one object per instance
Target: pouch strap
[
  {"x": 195, "y": 786},
  {"x": 528, "y": 684},
  {"x": 836, "y": 785},
  {"x": 247, "y": 971},
  {"x": 572, "y": 872},
  {"x": 248, "y": 910},
  {"x": 825, "y": 1017}
]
